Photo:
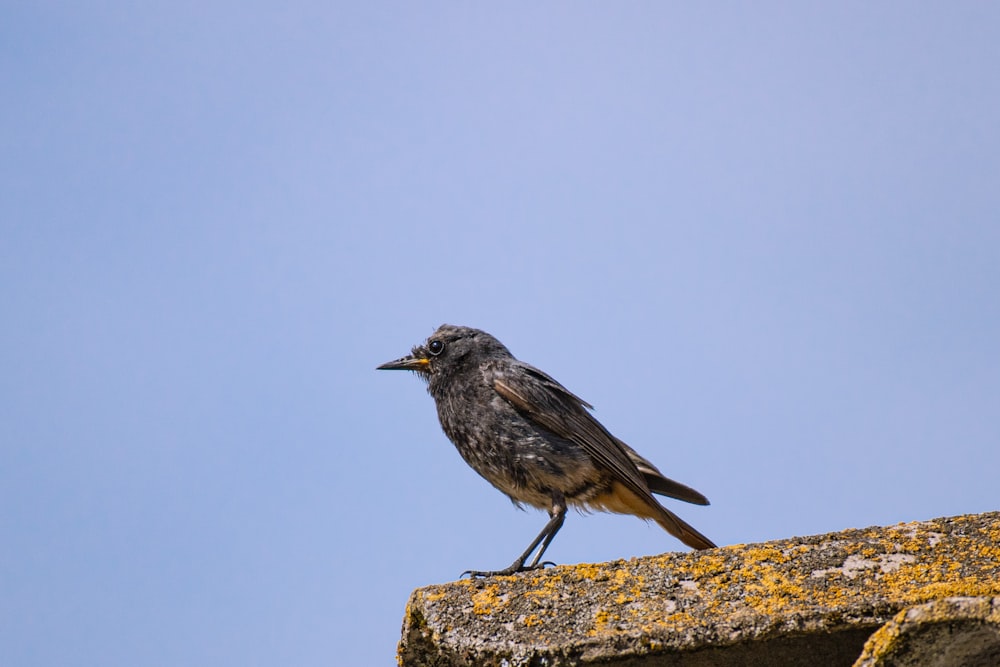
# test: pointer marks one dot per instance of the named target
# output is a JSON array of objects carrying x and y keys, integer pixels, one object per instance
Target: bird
[{"x": 536, "y": 441}]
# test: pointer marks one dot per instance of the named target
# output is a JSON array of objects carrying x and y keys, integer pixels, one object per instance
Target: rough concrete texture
[
  {"x": 953, "y": 632},
  {"x": 804, "y": 601}
]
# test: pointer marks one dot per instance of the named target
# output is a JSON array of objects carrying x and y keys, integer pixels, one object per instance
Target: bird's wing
[
  {"x": 660, "y": 484},
  {"x": 553, "y": 407}
]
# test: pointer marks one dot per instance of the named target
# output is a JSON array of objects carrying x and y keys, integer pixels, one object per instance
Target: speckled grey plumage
[{"x": 536, "y": 441}]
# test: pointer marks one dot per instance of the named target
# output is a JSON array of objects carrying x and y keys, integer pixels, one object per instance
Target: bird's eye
[{"x": 435, "y": 347}]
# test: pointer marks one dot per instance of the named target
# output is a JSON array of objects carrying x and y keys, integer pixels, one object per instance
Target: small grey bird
[{"x": 536, "y": 441}]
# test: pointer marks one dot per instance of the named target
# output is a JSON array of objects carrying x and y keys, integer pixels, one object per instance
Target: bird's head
[{"x": 450, "y": 348}]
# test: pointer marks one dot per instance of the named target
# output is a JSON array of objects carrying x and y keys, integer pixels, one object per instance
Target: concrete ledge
[{"x": 803, "y": 601}]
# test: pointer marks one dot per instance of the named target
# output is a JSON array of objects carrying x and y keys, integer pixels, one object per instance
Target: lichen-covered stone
[
  {"x": 812, "y": 600},
  {"x": 952, "y": 632}
]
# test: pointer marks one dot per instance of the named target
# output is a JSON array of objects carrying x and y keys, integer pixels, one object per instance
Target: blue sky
[{"x": 764, "y": 240}]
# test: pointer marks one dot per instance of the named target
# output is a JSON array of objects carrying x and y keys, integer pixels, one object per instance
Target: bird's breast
[{"x": 518, "y": 457}]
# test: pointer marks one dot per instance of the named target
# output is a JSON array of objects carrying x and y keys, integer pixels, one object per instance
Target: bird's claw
[{"x": 515, "y": 568}]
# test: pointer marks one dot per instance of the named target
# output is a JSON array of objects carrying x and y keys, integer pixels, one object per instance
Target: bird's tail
[
  {"x": 623, "y": 500},
  {"x": 682, "y": 530}
]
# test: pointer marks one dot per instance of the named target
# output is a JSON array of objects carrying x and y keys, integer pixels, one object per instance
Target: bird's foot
[{"x": 514, "y": 568}]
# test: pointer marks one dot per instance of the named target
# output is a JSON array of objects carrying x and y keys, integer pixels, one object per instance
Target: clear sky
[{"x": 763, "y": 239}]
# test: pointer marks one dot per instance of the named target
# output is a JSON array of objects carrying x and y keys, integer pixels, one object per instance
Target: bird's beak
[{"x": 411, "y": 363}]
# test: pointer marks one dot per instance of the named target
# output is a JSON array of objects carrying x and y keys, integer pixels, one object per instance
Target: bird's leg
[{"x": 556, "y": 517}]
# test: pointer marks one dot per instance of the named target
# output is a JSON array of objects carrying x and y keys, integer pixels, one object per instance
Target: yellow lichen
[
  {"x": 587, "y": 570},
  {"x": 708, "y": 565},
  {"x": 602, "y": 619},
  {"x": 486, "y": 600}
]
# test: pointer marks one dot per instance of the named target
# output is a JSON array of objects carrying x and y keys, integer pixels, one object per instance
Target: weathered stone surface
[
  {"x": 803, "y": 601},
  {"x": 953, "y": 632}
]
